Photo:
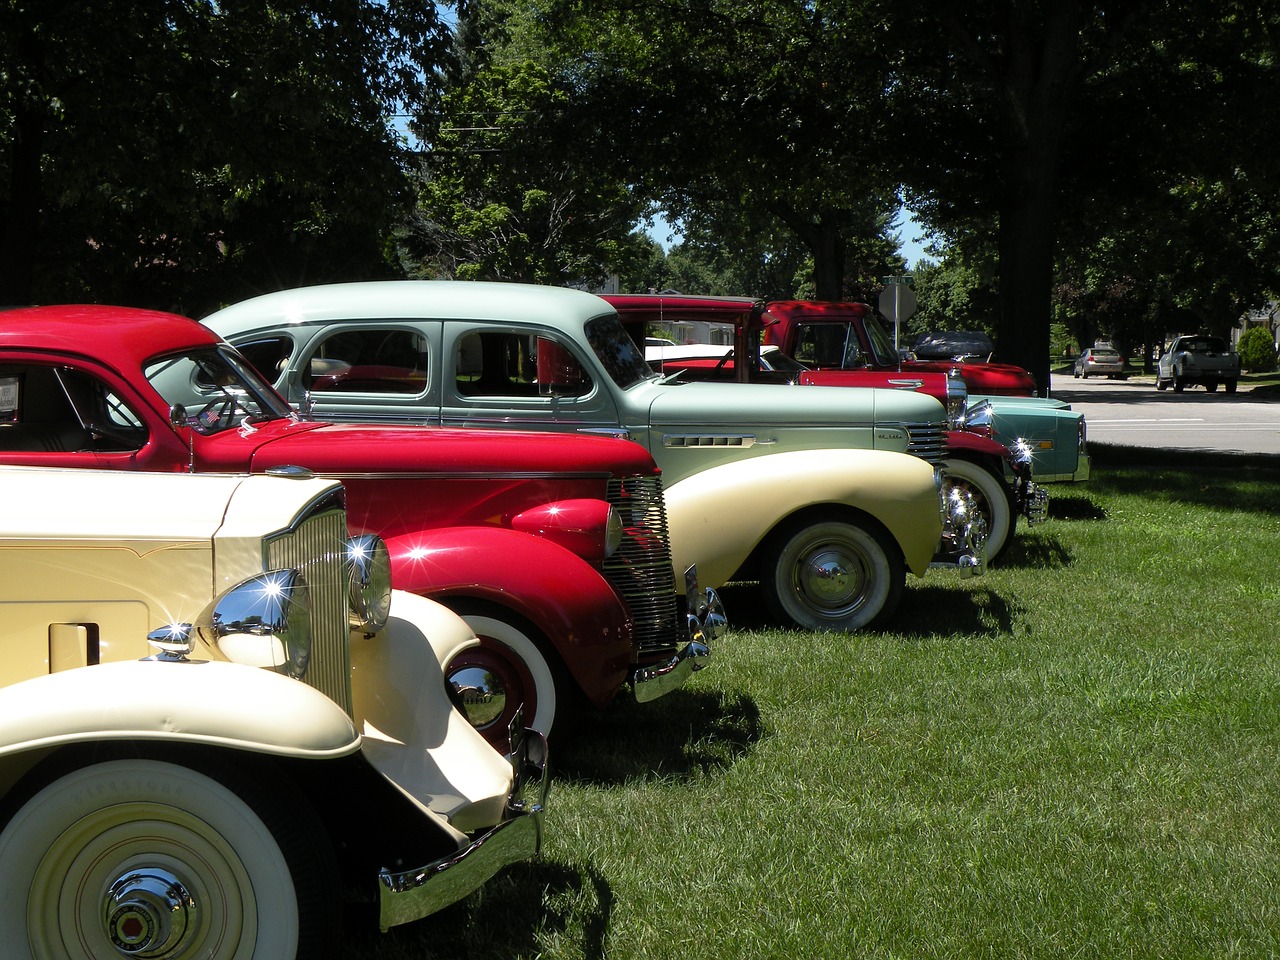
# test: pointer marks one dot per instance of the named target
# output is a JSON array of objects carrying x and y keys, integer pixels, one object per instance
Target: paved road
[{"x": 1133, "y": 413}]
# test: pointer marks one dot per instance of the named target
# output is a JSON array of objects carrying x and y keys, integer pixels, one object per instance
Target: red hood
[
  {"x": 335, "y": 449},
  {"x": 982, "y": 379}
]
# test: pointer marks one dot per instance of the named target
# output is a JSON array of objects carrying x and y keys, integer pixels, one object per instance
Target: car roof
[
  {"x": 110, "y": 333},
  {"x": 411, "y": 299}
]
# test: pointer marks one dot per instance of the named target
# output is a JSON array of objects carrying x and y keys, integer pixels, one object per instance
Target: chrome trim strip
[{"x": 709, "y": 440}]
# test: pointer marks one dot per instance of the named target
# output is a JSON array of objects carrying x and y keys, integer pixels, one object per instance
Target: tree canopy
[
  {"x": 186, "y": 152},
  {"x": 1107, "y": 166}
]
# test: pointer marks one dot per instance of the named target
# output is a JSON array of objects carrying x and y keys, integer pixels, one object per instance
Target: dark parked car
[{"x": 971, "y": 346}]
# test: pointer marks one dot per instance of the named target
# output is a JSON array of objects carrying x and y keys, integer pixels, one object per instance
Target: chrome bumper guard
[
  {"x": 412, "y": 894},
  {"x": 1035, "y": 504},
  {"x": 706, "y": 621},
  {"x": 964, "y": 535}
]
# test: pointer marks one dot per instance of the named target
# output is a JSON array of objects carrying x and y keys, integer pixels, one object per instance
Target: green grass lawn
[{"x": 1073, "y": 756}]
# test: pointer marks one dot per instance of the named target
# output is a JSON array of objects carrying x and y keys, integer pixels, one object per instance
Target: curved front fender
[
  {"x": 567, "y": 599},
  {"x": 412, "y": 733},
  {"x": 213, "y": 703},
  {"x": 719, "y": 516}
]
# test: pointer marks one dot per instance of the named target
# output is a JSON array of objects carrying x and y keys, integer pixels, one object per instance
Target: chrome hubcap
[
  {"x": 830, "y": 579},
  {"x": 147, "y": 913},
  {"x": 481, "y": 693}
]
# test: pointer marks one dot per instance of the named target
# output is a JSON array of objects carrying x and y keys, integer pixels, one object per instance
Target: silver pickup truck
[{"x": 1200, "y": 359}]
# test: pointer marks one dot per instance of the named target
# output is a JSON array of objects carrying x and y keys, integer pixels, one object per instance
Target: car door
[
  {"x": 516, "y": 376},
  {"x": 366, "y": 371},
  {"x": 58, "y": 414}
]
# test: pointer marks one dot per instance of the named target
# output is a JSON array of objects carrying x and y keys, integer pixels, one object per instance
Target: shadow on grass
[
  {"x": 512, "y": 916},
  {"x": 744, "y": 604},
  {"x": 930, "y": 611},
  {"x": 686, "y": 732},
  {"x": 1229, "y": 481}
]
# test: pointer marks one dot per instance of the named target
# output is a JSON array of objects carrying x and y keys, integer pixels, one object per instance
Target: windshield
[
  {"x": 882, "y": 347},
  {"x": 617, "y": 352},
  {"x": 213, "y": 389},
  {"x": 777, "y": 360}
]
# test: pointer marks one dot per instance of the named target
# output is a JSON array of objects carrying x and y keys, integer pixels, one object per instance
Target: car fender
[
  {"x": 979, "y": 448},
  {"x": 212, "y": 703},
  {"x": 565, "y": 598},
  {"x": 719, "y": 516},
  {"x": 411, "y": 733}
]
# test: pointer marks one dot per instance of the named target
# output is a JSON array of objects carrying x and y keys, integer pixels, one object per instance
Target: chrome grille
[
  {"x": 317, "y": 545},
  {"x": 927, "y": 441},
  {"x": 640, "y": 569}
]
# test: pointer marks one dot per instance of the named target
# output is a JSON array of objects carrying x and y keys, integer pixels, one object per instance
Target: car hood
[
  {"x": 1000, "y": 378},
  {"x": 751, "y": 404},
  {"x": 342, "y": 449}
]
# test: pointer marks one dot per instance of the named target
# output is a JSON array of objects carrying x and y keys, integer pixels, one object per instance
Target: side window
[
  {"x": 269, "y": 357},
  {"x": 377, "y": 360},
  {"x": 828, "y": 345},
  {"x": 493, "y": 363},
  {"x": 54, "y": 409}
]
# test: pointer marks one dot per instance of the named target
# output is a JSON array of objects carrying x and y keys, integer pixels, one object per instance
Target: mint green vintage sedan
[{"x": 825, "y": 496}]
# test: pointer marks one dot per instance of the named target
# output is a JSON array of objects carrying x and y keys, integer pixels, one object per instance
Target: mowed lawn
[{"x": 1077, "y": 755}]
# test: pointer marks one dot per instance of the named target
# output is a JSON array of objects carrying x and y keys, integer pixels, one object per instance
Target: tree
[
  {"x": 1028, "y": 115},
  {"x": 507, "y": 192},
  {"x": 739, "y": 113},
  {"x": 178, "y": 153}
]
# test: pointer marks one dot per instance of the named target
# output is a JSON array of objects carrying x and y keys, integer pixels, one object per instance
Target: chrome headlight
[
  {"x": 613, "y": 532},
  {"x": 957, "y": 400},
  {"x": 369, "y": 571},
  {"x": 980, "y": 416},
  {"x": 265, "y": 622}
]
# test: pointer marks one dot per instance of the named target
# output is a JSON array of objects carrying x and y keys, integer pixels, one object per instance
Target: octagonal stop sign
[{"x": 897, "y": 302}]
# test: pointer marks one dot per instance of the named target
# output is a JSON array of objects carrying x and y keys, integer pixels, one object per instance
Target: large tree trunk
[
  {"x": 1042, "y": 79},
  {"x": 1026, "y": 275}
]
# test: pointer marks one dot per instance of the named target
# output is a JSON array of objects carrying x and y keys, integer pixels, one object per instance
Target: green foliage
[
  {"x": 506, "y": 191},
  {"x": 739, "y": 113},
  {"x": 1257, "y": 350},
  {"x": 178, "y": 154}
]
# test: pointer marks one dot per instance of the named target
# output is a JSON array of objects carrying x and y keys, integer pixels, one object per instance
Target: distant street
[{"x": 1133, "y": 413}]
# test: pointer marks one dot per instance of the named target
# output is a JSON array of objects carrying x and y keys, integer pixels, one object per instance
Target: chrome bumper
[
  {"x": 706, "y": 621},
  {"x": 413, "y": 894}
]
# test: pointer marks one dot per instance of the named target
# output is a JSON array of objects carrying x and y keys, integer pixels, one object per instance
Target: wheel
[
  {"x": 506, "y": 670},
  {"x": 832, "y": 575},
  {"x": 1178, "y": 383},
  {"x": 148, "y": 858},
  {"x": 1230, "y": 385},
  {"x": 1161, "y": 384},
  {"x": 994, "y": 497},
  {"x": 1076, "y": 373},
  {"x": 1211, "y": 386}
]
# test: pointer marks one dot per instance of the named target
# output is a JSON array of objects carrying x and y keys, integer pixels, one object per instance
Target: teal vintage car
[{"x": 826, "y": 496}]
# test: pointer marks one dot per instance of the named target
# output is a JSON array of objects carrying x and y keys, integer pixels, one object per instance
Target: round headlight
[
  {"x": 613, "y": 532},
  {"x": 369, "y": 564},
  {"x": 266, "y": 622}
]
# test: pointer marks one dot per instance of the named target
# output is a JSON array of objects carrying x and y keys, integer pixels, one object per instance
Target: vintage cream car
[{"x": 286, "y": 737}]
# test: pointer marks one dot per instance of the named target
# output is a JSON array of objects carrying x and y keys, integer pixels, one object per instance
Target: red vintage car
[
  {"x": 839, "y": 333},
  {"x": 554, "y": 548},
  {"x": 999, "y": 479}
]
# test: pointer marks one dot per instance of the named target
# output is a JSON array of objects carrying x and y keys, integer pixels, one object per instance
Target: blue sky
[{"x": 910, "y": 235}]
